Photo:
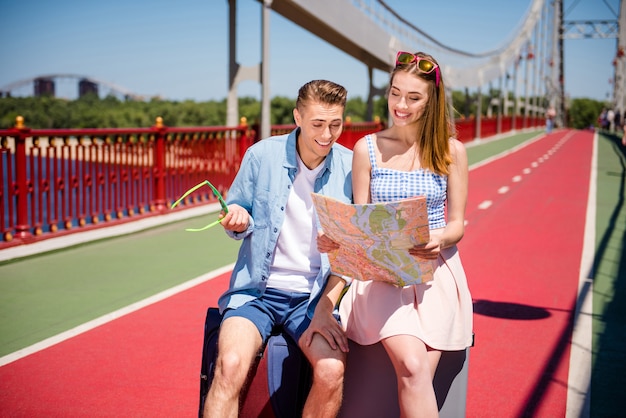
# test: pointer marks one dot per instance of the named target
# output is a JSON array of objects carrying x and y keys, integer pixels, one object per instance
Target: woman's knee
[{"x": 413, "y": 367}]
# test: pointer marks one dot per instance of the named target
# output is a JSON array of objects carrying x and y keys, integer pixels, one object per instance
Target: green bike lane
[
  {"x": 46, "y": 294},
  {"x": 608, "y": 276}
]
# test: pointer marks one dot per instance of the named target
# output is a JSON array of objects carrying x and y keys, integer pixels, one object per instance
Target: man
[{"x": 280, "y": 277}]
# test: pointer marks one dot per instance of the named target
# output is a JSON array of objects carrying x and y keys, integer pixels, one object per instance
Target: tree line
[{"x": 91, "y": 111}]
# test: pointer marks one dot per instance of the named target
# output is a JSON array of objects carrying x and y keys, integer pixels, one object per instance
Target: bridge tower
[
  {"x": 238, "y": 73},
  {"x": 375, "y": 46},
  {"x": 604, "y": 29}
]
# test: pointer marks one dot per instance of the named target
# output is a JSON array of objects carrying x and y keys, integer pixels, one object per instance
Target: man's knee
[
  {"x": 238, "y": 346},
  {"x": 328, "y": 364},
  {"x": 329, "y": 371},
  {"x": 231, "y": 368}
]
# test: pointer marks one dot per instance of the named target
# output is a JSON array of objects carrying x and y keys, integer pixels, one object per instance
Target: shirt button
[
  {"x": 267, "y": 255},
  {"x": 275, "y": 229},
  {"x": 282, "y": 208}
]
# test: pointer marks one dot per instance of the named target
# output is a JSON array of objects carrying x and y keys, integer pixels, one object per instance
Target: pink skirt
[{"x": 438, "y": 312}]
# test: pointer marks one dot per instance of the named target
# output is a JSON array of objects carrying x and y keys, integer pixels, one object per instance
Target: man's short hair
[{"x": 322, "y": 91}]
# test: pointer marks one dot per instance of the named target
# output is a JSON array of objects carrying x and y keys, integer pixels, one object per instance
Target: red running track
[{"x": 522, "y": 256}]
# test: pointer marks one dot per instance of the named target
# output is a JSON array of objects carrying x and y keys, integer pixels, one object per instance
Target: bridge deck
[{"x": 45, "y": 295}]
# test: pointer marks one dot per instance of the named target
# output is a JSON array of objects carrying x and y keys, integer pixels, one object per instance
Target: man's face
[{"x": 320, "y": 126}]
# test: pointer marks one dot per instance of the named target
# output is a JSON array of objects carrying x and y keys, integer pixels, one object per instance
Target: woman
[{"x": 415, "y": 156}]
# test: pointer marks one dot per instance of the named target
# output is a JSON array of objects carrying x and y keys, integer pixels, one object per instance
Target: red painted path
[{"x": 522, "y": 257}]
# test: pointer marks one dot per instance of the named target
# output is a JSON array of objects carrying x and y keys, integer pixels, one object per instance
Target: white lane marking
[
  {"x": 579, "y": 379},
  {"x": 503, "y": 189},
  {"x": 485, "y": 204}
]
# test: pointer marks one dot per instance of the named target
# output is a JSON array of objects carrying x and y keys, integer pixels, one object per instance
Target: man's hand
[{"x": 237, "y": 219}]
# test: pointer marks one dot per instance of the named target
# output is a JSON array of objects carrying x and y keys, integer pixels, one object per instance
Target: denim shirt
[{"x": 262, "y": 187}]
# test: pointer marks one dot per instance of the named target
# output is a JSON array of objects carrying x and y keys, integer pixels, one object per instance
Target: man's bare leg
[
  {"x": 328, "y": 365},
  {"x": 239, "y": 343}
]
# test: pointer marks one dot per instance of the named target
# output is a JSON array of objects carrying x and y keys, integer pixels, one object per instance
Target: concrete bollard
[{"x": 370, "y": 389}]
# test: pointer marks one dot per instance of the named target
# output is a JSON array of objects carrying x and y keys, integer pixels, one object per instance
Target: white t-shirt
[{"x": 296, "y": 259}]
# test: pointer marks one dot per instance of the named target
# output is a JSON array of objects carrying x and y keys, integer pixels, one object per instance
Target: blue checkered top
[{"x": 389, "y": 185}]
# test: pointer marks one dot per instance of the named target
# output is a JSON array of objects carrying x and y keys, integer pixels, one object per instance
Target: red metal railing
[
  {"x": 58, "y": 181},
  {"x": 466, "y": 129}
]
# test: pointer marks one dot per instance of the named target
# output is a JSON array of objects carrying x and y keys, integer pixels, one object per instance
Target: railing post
[
  {"x": 348, "y": 135},
  {"x": 21, "y": 181},
  {"x": 245, "y": 139},
  {"x": 159, "y": 169}
]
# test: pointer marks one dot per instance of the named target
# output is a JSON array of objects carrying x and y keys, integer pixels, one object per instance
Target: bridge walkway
[{"x": 45, "y": 295}]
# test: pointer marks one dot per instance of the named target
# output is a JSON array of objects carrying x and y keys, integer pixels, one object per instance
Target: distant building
[
  {"x": 44, "y": 87},
  {"x": 85, "y": 87}
]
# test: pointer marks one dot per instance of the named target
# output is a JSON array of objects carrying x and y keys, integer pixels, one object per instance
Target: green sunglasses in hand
[{"x": 215, "y": 192}]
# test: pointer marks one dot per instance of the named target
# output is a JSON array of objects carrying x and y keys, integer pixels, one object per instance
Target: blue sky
[{"x": 179, "y": 49}]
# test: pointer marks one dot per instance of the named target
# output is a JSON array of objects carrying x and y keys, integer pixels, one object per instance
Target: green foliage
[
  {"x": 380, "y": 109},
  {"x": 584, "y": 113},
  {"x": 90, "y": 111},
  {"x": 356, "y": 109},
  {"x": 282, "y": 110},
  {"x": 462, "y": 106},
  {"x": 250, "y": 108}
]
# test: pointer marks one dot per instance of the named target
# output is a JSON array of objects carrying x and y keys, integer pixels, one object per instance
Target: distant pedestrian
[
  {"x": 618, "y": 120},
  {"x": 602, "y": 120},
  {"x": 550, "y": 115},
  {"x": 610, "y": 119}
]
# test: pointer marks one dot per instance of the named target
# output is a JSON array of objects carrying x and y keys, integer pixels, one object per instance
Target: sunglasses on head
[
  {"x": 216, "y": 193},
  {"x": 424, "y": 65}
]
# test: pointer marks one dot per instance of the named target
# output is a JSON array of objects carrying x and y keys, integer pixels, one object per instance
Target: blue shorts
[{"x": 276, "y": 308}]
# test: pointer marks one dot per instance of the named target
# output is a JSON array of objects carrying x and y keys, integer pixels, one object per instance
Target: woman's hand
[
  {"x": 325, "y": 244},
  {"x": 428, "y": 251}
]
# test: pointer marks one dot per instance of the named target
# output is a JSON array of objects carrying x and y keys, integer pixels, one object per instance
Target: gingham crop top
[{"x": 389, "y": 185}]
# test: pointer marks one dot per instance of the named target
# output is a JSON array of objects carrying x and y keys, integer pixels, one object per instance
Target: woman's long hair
[{"x": 434, "y": 127}]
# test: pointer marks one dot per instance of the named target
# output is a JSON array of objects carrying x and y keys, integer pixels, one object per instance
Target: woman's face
[{"x": 407, "y": 99}]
